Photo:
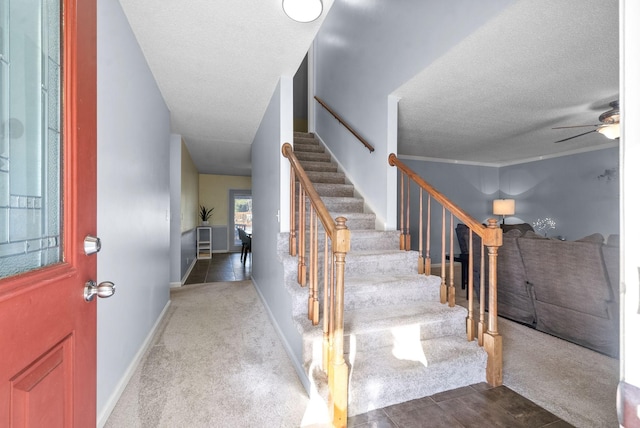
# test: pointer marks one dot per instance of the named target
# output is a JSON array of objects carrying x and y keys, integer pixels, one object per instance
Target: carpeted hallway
[{"x": 216, "y": 361}]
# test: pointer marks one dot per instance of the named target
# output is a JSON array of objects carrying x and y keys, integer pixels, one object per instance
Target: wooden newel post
[
  {"x": 492, "y": 338},
  {"x": 340, "y": 372}
]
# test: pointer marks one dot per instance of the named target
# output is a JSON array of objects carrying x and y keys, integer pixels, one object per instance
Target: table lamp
[{"x": 504, "y": 207}]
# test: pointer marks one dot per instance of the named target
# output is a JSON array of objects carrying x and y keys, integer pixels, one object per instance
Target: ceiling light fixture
[
  {"x": 302, "y": 10},
  {"x": 610, "y": 131}
]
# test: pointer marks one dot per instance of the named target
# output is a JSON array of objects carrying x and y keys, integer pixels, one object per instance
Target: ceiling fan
[{"x": 609, "y": 126}]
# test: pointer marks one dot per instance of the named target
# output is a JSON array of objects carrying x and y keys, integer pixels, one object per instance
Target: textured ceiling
[
  {"x": 491, "y": 99},
  {"x": 217, "y": 64},
  {"x": 494, "y": 97}
]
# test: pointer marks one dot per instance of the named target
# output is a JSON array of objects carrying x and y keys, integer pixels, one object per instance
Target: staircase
[{"x": 401, "y": 343}]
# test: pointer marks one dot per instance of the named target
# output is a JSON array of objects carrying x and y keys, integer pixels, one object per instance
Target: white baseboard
[
  {"x": 186, "y": 275},
  {"x": 115, "y": 396},
  {"x": 175, "y": 284}
]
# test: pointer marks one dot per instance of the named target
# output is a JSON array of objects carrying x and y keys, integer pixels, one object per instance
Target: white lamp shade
[
  {"x": 504, "y": 206},
  {"x": 610, "y": 131},
  {"x": 302, "y": 10}
]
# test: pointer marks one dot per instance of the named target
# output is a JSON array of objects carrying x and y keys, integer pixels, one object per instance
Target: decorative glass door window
[
  {"x": 242, "y": 215},
  {"x": 30, "y": 135}
]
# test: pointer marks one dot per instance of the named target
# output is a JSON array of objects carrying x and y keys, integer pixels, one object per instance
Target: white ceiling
[
  {"x": 217, "y": 63},
  {"x": 491, "y": 99},
  {"x": 494, "y": 97}
]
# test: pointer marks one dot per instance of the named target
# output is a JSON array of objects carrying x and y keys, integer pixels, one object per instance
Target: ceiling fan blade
[
  {"x": 576, "y": 126},
  {"x": 575, "y": 136}
]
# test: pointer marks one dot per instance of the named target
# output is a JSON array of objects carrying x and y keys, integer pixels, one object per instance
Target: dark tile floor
[
  {"x": 221, "y": 267},
  {"x": 474, "y": 406}
]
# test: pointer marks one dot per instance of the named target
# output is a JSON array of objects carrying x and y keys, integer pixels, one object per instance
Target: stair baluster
[
  {"x": 333, "y": 305},
  {"x": 403, "y": 231},
  {"x": 452, "y": 288},
  {"x": 490, "y": 238},
  {"x": 427, "y": 266},
  {"x": 443, "y": 258},
  {"x": 421, "y": 254}
]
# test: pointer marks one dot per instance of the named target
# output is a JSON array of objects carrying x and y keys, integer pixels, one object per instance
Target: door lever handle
[{"x": 103, "y": 290}]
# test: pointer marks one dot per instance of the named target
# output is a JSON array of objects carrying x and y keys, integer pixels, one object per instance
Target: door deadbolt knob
[
  {"x": 103, "y": 290},
  {"x": 92, "y": 245}
]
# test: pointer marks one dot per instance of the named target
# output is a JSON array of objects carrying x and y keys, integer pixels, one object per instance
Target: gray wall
[
  {"x": 363, "y": 54},
  {"x": 300, "y": 98},
  {"x": 566, "y": 189},
  {"x": 269, "y": 183},
  {"x": 133, "y": 201}
]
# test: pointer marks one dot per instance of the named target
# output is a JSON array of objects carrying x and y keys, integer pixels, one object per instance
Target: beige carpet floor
[{"x": 216, "y": 361}]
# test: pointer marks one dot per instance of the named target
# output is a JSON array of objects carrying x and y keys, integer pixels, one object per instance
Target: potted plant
[{"x": 205, "y": 214}]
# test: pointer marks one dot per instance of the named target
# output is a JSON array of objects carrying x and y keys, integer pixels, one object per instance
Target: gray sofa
[{"x": 569, "y": 289}]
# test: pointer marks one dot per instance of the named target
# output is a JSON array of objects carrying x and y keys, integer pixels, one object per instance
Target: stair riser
[
  {"x": 351, "y": 205},
  {"x": 398, "y": 337},
  {"x": 361, "y": 294},
  {"x": 337, "y": 190},
  {"x": 305, "y": 139},
  {"x": 312, "y": 156},
  {"x": 306, "y": 147},
  {"x": 358, "y": 266},
  {"x": 401, "y": 262},
  {"x": 365, "y": 393},
  {"x": 319, "y": 166},
  {"x": 326, "y": 177},
  {"x": 360, "y": 241},
  {"x": 355, "y": 221}
]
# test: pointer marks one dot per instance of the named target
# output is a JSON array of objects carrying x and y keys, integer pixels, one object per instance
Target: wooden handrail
[
  {"x": 473, "y": 224},
  {"x": 350, "y": 129},
  {"x": 491, "y": 239},
  {"x": 337, "y": 232}
]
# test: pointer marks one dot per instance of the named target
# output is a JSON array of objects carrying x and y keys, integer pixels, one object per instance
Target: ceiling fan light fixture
[
  {"x": 302, "y": 10},
  {"x": 611, "y": 131}
]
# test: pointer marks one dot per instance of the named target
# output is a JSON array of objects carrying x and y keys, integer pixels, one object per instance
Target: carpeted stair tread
[
  {"x": 383, "y": 320},
  {"x": 391, "y": 375},
  {"x": 345, "y": 204},
  {"x": 319, "y": 166},
  {"x": 326, "y": 177},
  {"x": 356, "y": 221},
  {"x": 313, "y": 156},
  {"x": 377, "y": 318},
  {"x": 329, "y": 189},
  {"x": 428, "y": 286},
  {"x": 300, "y": 146},
  {"x": 365, "y": 239}
]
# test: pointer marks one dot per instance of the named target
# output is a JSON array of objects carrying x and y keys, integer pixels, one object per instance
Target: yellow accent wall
[
  {"x": 188, "y": 192},
  {"x": 214, "y": 192}
]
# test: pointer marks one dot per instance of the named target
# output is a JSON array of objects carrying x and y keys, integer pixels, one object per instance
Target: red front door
[{"x": 47, "y": 329}]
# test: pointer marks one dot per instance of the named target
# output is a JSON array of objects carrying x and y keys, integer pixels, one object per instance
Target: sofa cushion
[
  {"x": 514, "y": 295},
  {"x": 596, "y": 238},
  {"x": 522, "y": 227},
  {"x": 611, "y": 255},
  {"x": 568, "y": 274}
]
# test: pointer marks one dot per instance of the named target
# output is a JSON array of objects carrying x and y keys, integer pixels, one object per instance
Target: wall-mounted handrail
[
  {"x": 490, "y": 239},
  {"x": 346, "y": 125},
  {"x": 338, "y": 238}
]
